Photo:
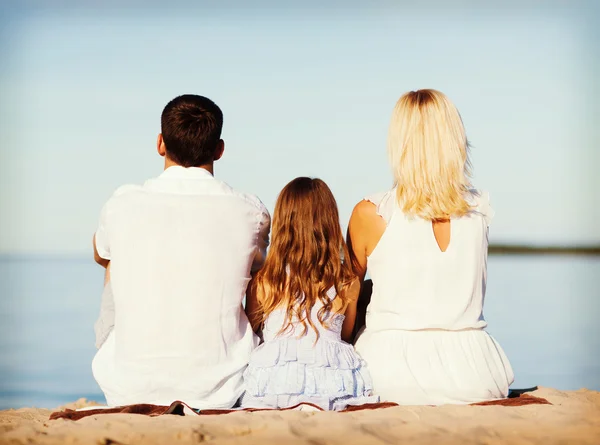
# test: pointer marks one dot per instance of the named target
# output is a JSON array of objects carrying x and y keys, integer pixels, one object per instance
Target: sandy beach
[{"x": 573, "y": 418}]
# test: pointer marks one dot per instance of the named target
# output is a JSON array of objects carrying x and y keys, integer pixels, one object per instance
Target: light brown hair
[{"x": 306, "y": 255}]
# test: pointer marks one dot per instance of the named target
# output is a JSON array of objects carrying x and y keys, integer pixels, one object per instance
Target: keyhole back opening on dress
[{"x": 442, "y": 233}]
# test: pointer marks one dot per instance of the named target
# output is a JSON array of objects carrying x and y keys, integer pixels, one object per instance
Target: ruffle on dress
[
  {"x": 483, "y": 207},
  {"x": 385, "y": 203},
  {"x": 296, "y": 369}
]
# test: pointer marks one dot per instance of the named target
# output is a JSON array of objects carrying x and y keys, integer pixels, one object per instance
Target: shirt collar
[{"x": 179, "y": 172}]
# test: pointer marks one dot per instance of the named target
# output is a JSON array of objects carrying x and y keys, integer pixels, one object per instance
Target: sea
[{"x": 542, "y": 309}]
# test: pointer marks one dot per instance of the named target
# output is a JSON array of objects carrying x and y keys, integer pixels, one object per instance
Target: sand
[{"x": 574, "y": 418}]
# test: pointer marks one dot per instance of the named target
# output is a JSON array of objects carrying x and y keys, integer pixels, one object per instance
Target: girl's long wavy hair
[
  {"x": 306, "y": 257},
  {"x": 429, "y": 154}
]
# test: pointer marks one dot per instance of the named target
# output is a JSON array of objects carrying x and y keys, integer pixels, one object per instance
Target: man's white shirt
[{"x": 182, "y": 247}]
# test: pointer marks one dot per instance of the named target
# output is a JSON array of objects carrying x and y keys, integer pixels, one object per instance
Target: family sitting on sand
[{"x": 184, "y": 250}]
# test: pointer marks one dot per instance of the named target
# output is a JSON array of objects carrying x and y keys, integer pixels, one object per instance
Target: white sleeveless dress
[
  {"x": 424, "y": 339},
  {"x": 291, "y": 368}
]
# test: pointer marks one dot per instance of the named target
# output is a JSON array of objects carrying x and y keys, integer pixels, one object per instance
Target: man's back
[{"x": 181, "y": 248}]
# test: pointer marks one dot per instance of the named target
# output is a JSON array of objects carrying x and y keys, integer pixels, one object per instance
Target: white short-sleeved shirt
[{"x": 182, "y": 247}]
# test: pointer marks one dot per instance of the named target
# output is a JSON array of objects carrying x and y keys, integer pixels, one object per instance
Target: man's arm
[
  {"x": 101, "y": 240},
  {"x": 253, "y": 311},
  {"x": 262, "y": 244}
]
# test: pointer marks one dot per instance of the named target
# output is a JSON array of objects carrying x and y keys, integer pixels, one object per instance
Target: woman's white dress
[{"x": 424, "y": 340}]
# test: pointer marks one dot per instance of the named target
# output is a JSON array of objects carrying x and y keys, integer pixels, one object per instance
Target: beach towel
[{"x": 519, "y": 398}]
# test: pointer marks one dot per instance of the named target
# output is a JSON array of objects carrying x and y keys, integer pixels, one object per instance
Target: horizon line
[
  {"x": 549, "y": 249},
  {"x": 493, "y": 249}
]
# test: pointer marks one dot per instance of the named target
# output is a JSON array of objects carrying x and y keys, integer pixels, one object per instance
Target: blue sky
[{"x": 304, "y": 92}]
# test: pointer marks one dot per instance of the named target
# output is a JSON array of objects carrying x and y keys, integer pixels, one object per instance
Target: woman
[{"x": 424, "y": 244}]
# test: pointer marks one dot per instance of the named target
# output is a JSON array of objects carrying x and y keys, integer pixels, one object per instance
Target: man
[{"x": 181, "y": 250}]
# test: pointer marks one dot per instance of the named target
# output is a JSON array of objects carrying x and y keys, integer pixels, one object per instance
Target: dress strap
[{"x": 331, "y": 293}]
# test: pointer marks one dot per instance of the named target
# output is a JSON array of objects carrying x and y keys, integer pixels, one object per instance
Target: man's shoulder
[
  {"x": 125, "y": 190},
  {"x": 126, "y": 193},
  {"x": 121, "y": 194},
  {"x": 247, "y": 198},
  {"x": 254, "y": 201}
]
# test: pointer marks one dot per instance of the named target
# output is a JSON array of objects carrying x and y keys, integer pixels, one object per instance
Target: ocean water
[{"x": 542, "y": 309}]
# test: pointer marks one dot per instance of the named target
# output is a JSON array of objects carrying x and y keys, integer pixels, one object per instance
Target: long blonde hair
[
  {"x": 306, "y": 255},
  {"x": 429, "y": 154}
]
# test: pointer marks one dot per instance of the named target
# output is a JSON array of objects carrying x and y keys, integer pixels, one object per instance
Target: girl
[{"x": 304, "y": 299}]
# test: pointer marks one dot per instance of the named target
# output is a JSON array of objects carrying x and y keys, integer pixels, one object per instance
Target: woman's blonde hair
[
  {"x": 306, "y": 255},
  {"x": 429, "y": 153}
]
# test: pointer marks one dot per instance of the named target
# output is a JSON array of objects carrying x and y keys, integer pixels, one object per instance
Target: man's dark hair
[{"x": 191, "y": 129}]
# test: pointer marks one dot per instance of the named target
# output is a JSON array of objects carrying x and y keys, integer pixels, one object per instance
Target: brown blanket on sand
[{"x": 180, "y": 408}]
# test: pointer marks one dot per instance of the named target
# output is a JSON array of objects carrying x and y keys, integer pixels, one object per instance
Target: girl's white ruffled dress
[
  {"x": 424, "y": 339},
  {"x": 291, "y": 368}
]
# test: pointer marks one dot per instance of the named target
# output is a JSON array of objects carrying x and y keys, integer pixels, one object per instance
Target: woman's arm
[
  {"x": 350, "y": 312},
  {"x": 253, "y": 306},
  {"x": 364, "y": 231}
]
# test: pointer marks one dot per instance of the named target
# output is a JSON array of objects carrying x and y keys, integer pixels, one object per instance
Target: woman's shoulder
[
  {"x": 380, "y": 198},
  {"x": 480, "y": 203},
  {"x": 385, "y": 203}
]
